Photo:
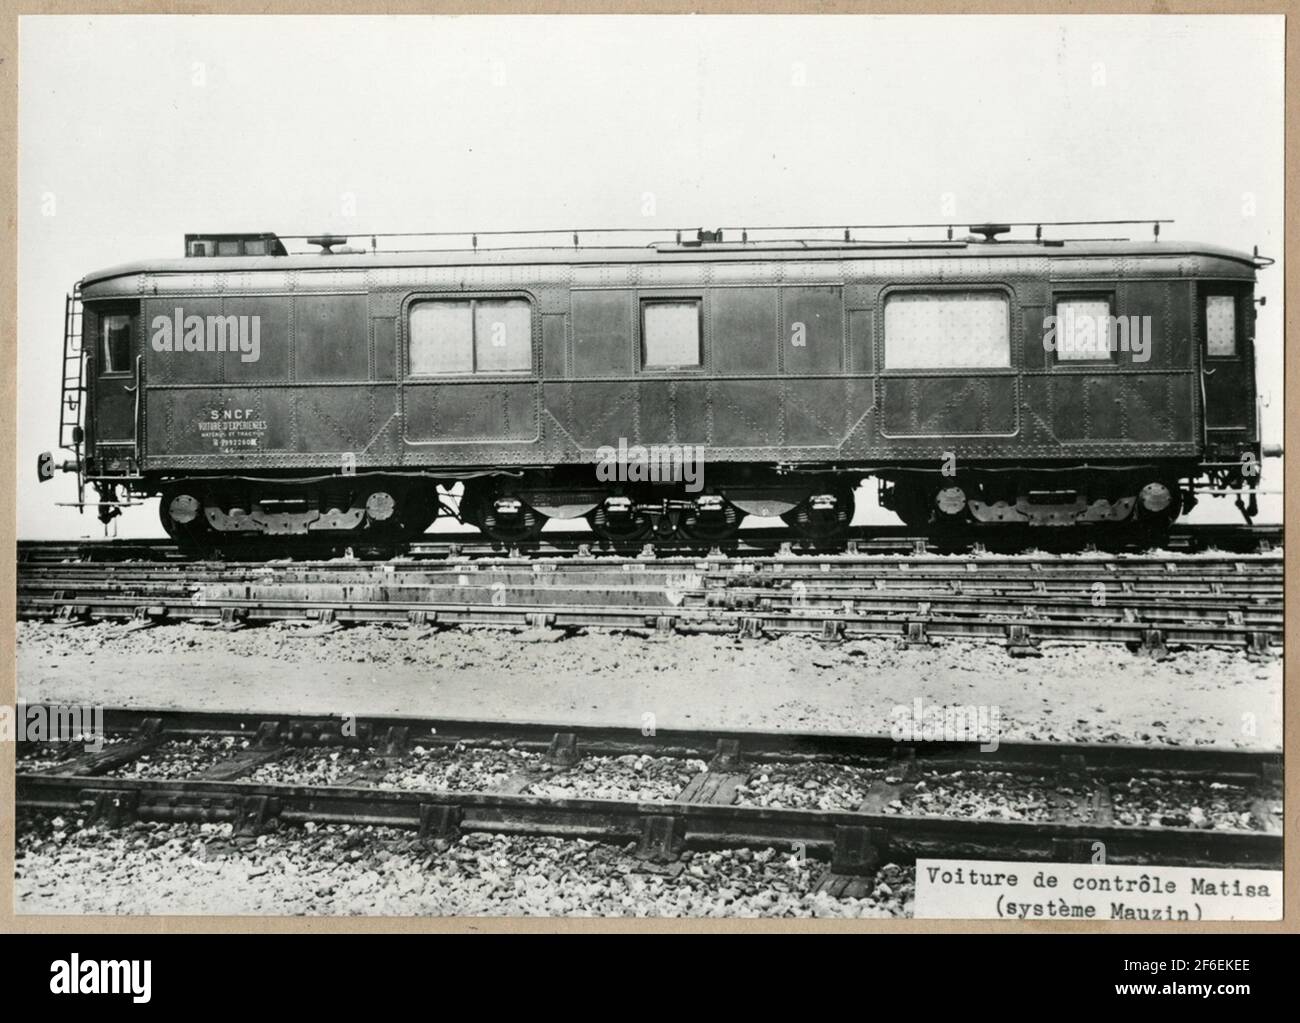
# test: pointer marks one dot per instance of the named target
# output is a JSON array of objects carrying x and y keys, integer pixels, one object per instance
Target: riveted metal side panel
[
  {"x": 744, "y": 415},
  {"x": 598, "y": 412},
  {"x": 486, "y": 413},
  {"x": 812, "y": 336},
  {"x": 333, "y": 420},
  {"x": 602, "y": 333},
  {"x": 817, "y": 412},
  {"x": 744, "y": 329},
  {"x": 179, "y": 366},
  {"x": 944, "y": 407},
  {"x": 860, "y": 333},
  {"x": 221, "y": 427},
  {"x": 385, "y": 335},
  {"x": 554, "y": 342},
  {"x": 330, "y": 338}
]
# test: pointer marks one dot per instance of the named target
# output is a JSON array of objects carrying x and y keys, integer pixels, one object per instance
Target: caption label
[{"x": 995, "y": 890}]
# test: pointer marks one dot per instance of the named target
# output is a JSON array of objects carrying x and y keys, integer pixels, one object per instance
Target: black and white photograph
[{"x": 677, "y": 467}]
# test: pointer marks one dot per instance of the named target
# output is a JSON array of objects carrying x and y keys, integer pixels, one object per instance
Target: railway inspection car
[{"x": 669, "y": 388}]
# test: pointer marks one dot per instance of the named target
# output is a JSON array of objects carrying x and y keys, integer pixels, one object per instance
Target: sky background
[{"x": 134, "y": 131}]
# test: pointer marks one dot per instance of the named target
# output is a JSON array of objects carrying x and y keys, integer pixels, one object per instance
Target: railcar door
[
  {"x": 951, "y": 365},
  {"x": 470, "y": 375},
  {"x": 1226, "y": 319},
  {"x": 114, "y": 366}
]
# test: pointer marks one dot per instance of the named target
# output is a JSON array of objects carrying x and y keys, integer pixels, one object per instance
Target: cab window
[
  {"x": 1220, "y": 326},
  {"x": 115, "y": 342}
]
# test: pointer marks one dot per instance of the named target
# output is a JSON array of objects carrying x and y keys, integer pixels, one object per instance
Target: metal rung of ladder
[{"x": 74, "y": 380}]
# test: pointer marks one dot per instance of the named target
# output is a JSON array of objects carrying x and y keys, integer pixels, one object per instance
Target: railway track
[
  {"x": 1151, "y": 600},
  {"x": 750, "y": 542},
  {"x": 1082, "y": 786}
]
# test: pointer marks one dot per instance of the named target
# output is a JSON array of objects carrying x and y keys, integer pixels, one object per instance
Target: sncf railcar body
[{"x": 674, "y": 387}]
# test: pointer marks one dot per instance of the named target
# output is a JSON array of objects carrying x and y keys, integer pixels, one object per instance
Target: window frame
[
  {"x": 1090, "y": 365},
  {"x": 1237, "y": 332},
  {"x": 101, "y": 352},
  {"x": 1015, "y": 356},
  {"x": 644, "y": 300},
  {"x": 472, "y": 297}
]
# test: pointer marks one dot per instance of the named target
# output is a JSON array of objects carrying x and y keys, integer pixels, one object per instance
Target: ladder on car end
[{"x": 73, "y": 390}]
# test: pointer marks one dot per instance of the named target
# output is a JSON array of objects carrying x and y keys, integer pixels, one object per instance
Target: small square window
[
  {"x": 670, "y": 334},
  {"x": 1220, "y": 326},
  {"x": 1084, "y": 330},
  {"x": 115, "y": 335},
  {"x": 228, "y": 248}
]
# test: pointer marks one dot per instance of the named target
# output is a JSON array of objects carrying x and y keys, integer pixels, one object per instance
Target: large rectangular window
[
  {"x": 470, "y": 336},
  {"x": 115, "y": 342},
  {"x": 1220, "y": 326},
  {"x": 947, "y": 330},
  {"x": 670, "y": 333},
  {"x": 1083, "y": 329}
]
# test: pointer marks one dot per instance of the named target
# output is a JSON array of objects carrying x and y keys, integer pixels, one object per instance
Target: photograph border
[{"x": 9, "y": 84}]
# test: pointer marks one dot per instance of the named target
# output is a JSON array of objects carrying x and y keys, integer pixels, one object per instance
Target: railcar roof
[{"x": 706, "y": 253}]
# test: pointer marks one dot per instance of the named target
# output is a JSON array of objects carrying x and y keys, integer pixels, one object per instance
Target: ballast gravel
[
  {"x": 628, "y": 778},
  {"x": 1070, "y": 693},
  {"x": 808, "y": 786},
  {"x": 41, "y": 756},
  {"x": 992, "y": 795},
  {"x": 335, "y": 870},
  {"x": 179, "y": 758},
  {"x": 1176, "y": 803}
]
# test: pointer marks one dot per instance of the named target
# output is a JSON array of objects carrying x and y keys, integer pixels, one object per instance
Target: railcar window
[
  {"x": 115, "y": 331},
  {"x": 1220, "y": 325},
  {"x": 441, "y": 338},
  {"x": 947, "y": 330},
  {"x": 503, "y": 336},
  {"x": 670, "y": 334},
  {"x": 1083, "y": 330},
  {"x": 469, "y": 336}
]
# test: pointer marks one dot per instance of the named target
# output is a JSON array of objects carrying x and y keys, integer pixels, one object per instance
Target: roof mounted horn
[
  {"x": 327, "y": 243},
  {"x": 990, "y": 231}
]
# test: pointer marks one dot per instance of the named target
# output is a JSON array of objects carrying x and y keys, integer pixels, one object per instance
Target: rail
[{"x": 706, "y": 812}]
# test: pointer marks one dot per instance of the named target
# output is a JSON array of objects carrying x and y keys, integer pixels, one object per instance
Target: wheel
[
  {"x": 485, "y": 507},
  {"x": 415, "y": 512},
  {"x": 712, "y": 526},
  {"x": 1157, "y": 506},
  {"x": 519, "y": 527},
  {"x": 816, "y": 523},
  {"x": 181, "y": 515},
  {"x": 619, "y": 528}
]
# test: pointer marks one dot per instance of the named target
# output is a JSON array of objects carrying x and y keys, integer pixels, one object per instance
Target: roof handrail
[{"x": 743, "y": 235}]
